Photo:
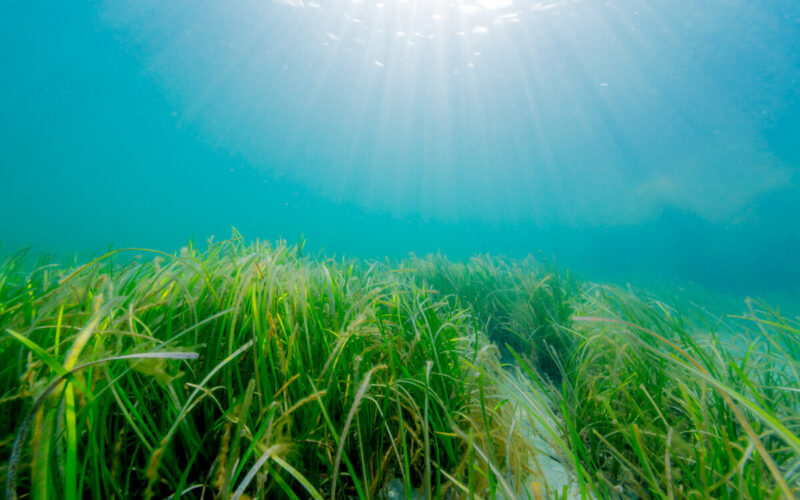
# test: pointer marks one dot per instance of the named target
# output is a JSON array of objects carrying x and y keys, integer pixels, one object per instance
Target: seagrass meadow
[
  {"x": 552, "y": 249},
  {"x": 250, "y": 370}
]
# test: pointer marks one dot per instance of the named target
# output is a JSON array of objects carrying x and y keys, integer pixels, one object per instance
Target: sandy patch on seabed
[{"x": 551, "y": 470}]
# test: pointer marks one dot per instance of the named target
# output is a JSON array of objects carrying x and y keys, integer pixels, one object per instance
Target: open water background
[{"x": 655, "y": 142}]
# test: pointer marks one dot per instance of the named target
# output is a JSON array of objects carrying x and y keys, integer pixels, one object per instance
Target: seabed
[{"x": 255, "y": 371}]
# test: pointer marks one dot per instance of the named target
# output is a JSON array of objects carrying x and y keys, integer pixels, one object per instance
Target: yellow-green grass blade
[
  {"x": 49, "y": 360},
  {"x": 71, "y": 469},
  {"x": 11, "y": 478},
  {"x": 155, "y": 457},
  {"x": 315, "y": 494},
  {"x": 343, "y": 436}
]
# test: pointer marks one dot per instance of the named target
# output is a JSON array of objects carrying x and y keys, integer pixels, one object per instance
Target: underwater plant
[
  {"x": 659, "y": 404},
  {"x": 251, "y": 370},
  {"x": 522, "y": 304},
  {"x": 245, "y": 370}
]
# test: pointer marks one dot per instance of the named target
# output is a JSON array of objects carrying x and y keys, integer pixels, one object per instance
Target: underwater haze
[{"x": 631, "y": 140}]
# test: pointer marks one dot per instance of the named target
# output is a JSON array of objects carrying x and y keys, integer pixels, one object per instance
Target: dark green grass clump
[
  {"x": 522, "y": 305},
  {"x": 249, "y": 371}
]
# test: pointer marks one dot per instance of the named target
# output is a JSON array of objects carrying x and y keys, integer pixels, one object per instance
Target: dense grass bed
[{"x": 251, "y": 371}]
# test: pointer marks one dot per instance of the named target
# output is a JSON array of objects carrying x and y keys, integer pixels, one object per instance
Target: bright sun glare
[{"x": 363, "y": 20}]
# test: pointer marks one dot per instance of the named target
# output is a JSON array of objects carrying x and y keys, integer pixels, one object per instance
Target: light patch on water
[
  {"x": 379, "y": 64},
  {"x": 291, "y": 3},
  {"x": 495, "y": 4},
  {"x": 480, "y": 29},
  {"x": 512, "y": 17},
  {"x": 540, "y": 6},
  {"x": 469, "y": 9}
]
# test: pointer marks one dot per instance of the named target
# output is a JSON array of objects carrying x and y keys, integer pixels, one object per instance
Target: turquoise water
[{"x": 644, "y": 141}]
